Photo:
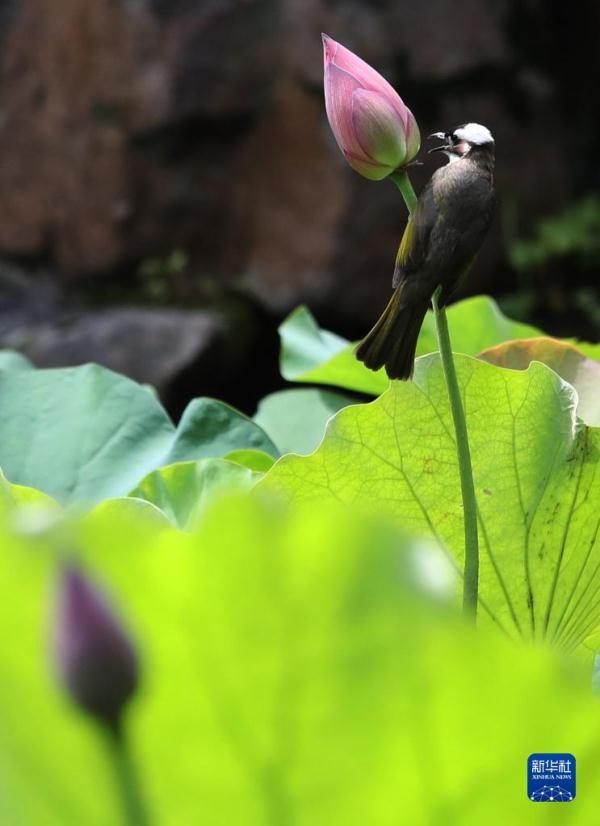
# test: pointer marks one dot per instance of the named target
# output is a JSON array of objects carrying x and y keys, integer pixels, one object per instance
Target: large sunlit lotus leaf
[
  {"x": 298, "y": 666},
  {"x": 537, "y": 481},
  {"x": 84, "y": 434},
  {"x": 571, "y": 364},
  {"x": 295, "y": 419},
  {"x": 310, "y": 354},
  {"x": 183, "y": 490}
]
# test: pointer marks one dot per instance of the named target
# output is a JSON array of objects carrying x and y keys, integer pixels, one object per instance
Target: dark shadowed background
[{"x": 170, "y": 189}]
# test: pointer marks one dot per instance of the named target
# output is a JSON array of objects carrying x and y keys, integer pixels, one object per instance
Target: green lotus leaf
[
  {"x": 12, "y": 360},
  {"x": 256, "y": 460},
  {"x": 310, "y": 354},
  {"x": 537, "y": 479},
  {"x": 295, "y": 419},
  {"x": 210, "y": 428},
  {"x": 84, "y": 434},
  {"x": 299, "y": 665},
  {"x": 571, "y": 364},
  {"x": 183, "y": 490}
]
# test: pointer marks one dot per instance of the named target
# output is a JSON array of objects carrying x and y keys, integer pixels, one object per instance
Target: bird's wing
[{"x": 415, "y": 241}]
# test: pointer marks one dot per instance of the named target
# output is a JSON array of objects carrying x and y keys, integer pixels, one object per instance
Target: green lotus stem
[
  {"x": 402, "y": 181},
  {"x": 132, "y": 801},
  {"x": 467, "y": 485}
]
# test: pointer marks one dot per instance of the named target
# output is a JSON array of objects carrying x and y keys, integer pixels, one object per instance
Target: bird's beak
[{"x": 441, "y": 136}]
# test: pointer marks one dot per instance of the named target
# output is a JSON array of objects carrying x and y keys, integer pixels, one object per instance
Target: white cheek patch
[
  {"x": 474, "y": 133},
  {"x": 452, "y": 157}
]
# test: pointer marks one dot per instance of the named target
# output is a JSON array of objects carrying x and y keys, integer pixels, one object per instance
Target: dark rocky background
[{"x": 169, "y": 187}]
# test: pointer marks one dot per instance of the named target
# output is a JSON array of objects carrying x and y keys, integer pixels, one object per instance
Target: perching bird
[{"x": 441, "y": 239}]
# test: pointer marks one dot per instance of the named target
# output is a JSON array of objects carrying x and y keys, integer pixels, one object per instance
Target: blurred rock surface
[
  {"x": 152, "y": 346},
  {"x": 132, "y": 128},
  {"x": 225, "y": 352}
]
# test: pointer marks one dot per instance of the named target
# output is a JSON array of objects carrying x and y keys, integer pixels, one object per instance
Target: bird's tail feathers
[{"x": 392, "y": 342}]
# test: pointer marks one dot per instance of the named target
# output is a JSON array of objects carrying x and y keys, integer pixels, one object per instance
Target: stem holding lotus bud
[
  {"x": 126, "y": 778},
  {"x": 402, "y": 181}
]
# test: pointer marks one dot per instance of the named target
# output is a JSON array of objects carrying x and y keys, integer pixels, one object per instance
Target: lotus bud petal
[
  {"x": 413, "y": 137},
  {"x": 374, "y": 129},
  {"x": 97, "y": 660}
]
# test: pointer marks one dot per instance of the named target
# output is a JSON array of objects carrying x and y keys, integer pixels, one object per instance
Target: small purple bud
[{"x": 97, "y": 660}]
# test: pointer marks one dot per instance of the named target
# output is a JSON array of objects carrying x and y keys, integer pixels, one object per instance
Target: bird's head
[{"x": 464, "y": 140}]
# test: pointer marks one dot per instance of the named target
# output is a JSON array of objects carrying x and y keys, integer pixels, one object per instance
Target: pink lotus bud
[
  {"x": 374, "y": 129},
  {"x": 96, "y": 658}
]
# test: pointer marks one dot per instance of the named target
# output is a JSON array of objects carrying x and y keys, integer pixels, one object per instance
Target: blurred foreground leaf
[
  {"x": 299, "y": 666},
  {"x": 536, "y": 475}
]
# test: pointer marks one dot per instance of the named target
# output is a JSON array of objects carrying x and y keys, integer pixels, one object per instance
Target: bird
[{"x": 442, "y": 237}]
